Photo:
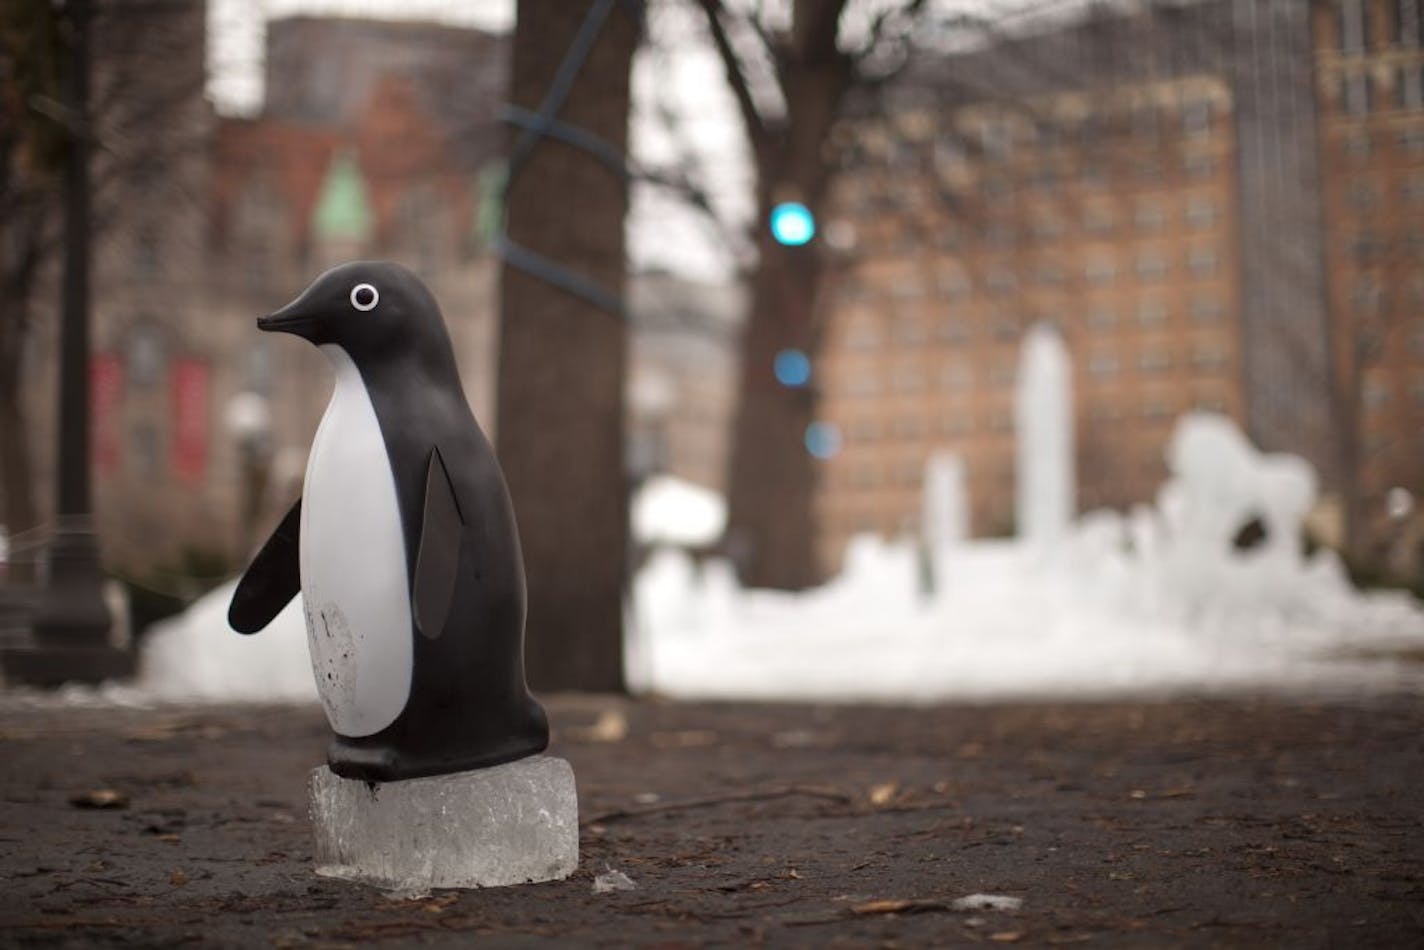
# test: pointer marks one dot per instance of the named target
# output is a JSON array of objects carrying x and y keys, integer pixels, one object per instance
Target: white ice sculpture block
[{"x": 510, "y": 824}]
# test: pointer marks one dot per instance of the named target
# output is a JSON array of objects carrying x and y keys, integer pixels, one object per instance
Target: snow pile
[
  {"x": 670, "y": 511},
  {"x": 197, "y": 656},
  {"x": 1159, "y": 599}
]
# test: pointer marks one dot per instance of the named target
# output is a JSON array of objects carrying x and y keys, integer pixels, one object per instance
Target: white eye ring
[{"x": 375, "y": 297}]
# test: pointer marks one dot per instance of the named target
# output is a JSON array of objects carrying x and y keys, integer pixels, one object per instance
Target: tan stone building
[
  {"x": 1369, "y": 69},
  {"x": 1150, "y": 183}
]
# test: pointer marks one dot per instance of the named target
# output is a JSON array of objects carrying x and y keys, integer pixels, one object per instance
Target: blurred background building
[
  {"x": 1220, "y": 205},
  {"x": 1216, "y": 204}
]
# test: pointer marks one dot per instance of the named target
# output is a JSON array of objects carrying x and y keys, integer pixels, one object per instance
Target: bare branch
[{"x": 736, "y": 74}]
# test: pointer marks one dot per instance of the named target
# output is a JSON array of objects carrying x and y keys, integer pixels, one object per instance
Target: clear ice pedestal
[{"x": 510, "y": 824}]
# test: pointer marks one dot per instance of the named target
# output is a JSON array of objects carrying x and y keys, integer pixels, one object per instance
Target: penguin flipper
[
  {"x": 438, "y": 558},
  {"x": 272, "y": 579}
]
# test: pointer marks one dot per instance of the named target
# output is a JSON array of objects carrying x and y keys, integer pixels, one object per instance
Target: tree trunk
[
  {"x": 561, "y": 367},
  {"x": 770, "y": 528}
]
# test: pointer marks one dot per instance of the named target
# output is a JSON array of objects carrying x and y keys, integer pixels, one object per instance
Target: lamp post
[{"x": 71, "y": 622}]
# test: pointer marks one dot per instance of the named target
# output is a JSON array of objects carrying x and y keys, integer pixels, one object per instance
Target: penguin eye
[{"x": 364, "y": 297}]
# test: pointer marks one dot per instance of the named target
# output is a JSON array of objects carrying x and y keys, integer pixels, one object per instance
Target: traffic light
[{"x": 792, "y": 224}]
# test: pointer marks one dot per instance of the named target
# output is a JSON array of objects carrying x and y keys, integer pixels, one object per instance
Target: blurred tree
[
  {"x": 562, "y": 336},
  {"x": 789, "y": 80},
  {"x": 31, "y": 155},
  {"x": 145, "y": 111}
]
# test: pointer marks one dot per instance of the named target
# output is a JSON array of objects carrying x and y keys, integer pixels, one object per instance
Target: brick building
[{"x": 1152, "y": 183}]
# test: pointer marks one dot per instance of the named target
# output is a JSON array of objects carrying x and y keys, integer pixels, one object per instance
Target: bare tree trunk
[
  {"x": 561, "y": 368},
  {"x": 770, "y": 528}
]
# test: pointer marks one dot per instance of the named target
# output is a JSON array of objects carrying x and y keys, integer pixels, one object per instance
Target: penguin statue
[{"x": 403, "y": 545}]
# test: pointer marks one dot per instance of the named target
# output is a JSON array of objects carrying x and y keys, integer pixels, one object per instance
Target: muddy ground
[{"x": 1261, "y": 822}]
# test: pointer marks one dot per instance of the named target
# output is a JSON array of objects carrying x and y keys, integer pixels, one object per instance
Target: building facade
[{"x": 1154, "y": 184}]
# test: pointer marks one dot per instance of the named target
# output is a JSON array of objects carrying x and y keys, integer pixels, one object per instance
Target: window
[
  {"x": 1412, "y": 190},
  {"x": 953, "y": 285},
  {"x": 997, "y": 138},
  {"x": 1098, "y": 218},
  {"x": 1411, "y": 23},
  {"x": 863, "y": 383},
  {"x": 146, "y": 256},
  {"x": 1047, "y": 227},
  {"x": 1352, "y": 26},
  {"x": 957, "y": 377},
  {"x": 1151, "y": 266},
  {"x": 1154, "y": 360},
  {"x": 908, "y": 288},
  {"x": 1375, "y": 393},
  {"x": 863, "y": 335},
  {"x": 1356, "y": 145},
  {"x": 1100, "y": 269},
  {"x": 1156, "y": 408},
  {"x": 909, "y": 379},
  {"x": 1048, "y": 274},
  {"x": 954, "y": 424},
  {"x": 1411, "y": 87},
  {"x": 1356, "y": 94},
  {"x": 261, "y": 367},
  {"x": 1196, "y": 118},
  {"x": 1209, "y": 356},
  {"x": 1152, "y": 314},
  {"x": 1102, "y": 318},
  {"x": 1102, "y": 365},
  {"x": 910, "y": 333},
  {"x": 1199, "y": 167},
  {"x": 1002, "y": 281},
  {"x": 1150, "y": 216},
  {"x": 1364, "y": 195},
  {"x": 1202, "y": 261},
  {"x": 1206, "y": 309},
  {"x": 1201, "y": 212},
  {"x": 1006, "y": 328},
  {"x": 1366, "y": 298},
  {"x": 953, "y": 331},
  {"x": 1144, "y": 123},
  {"x": 146, "y": 362}
]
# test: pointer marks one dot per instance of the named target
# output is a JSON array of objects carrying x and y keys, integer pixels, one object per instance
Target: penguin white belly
[{"x": 353, "y": 564}]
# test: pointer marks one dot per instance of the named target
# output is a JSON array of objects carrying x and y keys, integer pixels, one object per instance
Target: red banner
[
  {"x": 106, "y": 399},
  {"x": 191, "y": 382}
]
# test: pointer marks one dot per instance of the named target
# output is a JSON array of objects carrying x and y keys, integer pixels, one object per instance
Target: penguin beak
[{"x": 290, "y": 319}]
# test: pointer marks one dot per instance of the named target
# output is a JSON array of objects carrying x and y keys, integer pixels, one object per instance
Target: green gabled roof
[{"x": 343, "y": 211}]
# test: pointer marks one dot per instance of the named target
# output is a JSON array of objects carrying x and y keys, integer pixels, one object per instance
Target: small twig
[{"x": 762, "y": 795}]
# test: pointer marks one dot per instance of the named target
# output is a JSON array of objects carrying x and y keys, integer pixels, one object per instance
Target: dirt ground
[{"x": 1214, "y": 823}]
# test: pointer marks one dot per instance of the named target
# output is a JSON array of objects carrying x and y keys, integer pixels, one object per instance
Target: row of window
[
  {"x": 1209, "y": 357},
  {"x": 1359, "y": 91},
  {"x": 1098, "y": 269},
  {"x": 1368, "y": 196},
  {"x": 1365, "y": 23},
  {"x": 874, "y": 431},
  {"x": 1377, "y": 394},
  {"x": 864, "y": 335},
  {"x": 1360, "y": 144},
  {"x": 1369, "y": 297}
]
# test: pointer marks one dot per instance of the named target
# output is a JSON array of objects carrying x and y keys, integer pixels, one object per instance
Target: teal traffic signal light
[{"x": 792, "y": 224}]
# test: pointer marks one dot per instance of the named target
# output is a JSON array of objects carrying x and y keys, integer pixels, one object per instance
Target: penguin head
[{"x": 370, "y": 309}]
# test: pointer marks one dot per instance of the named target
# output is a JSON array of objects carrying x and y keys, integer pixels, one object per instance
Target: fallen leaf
[
  {"x": 100, "y": 798},
  {"x": 610, "y": 726},
  {"x": 882, "y": 794},
  {"x": 882, "y": 907},
  {"x": 1007, "y": 936}
]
